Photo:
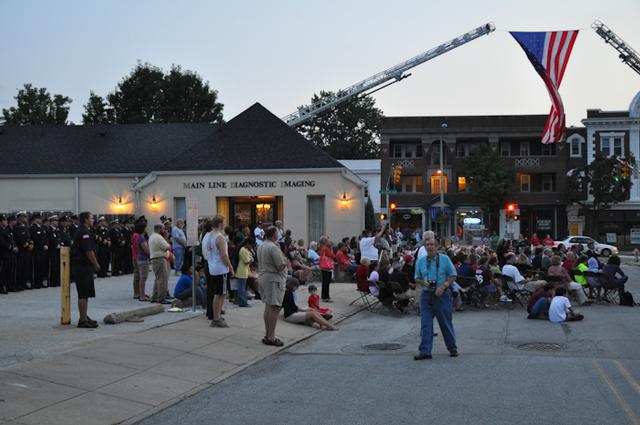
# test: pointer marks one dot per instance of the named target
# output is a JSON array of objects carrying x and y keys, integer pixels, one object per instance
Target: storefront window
[
  {"x": 462, "y": 184},
  {"x": 264, "y": 212}
]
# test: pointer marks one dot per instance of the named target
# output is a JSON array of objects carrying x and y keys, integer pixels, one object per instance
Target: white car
[{"x": 601, "y": 248}]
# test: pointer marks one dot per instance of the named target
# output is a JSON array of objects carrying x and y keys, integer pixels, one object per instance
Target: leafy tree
[
  {"x": 348, "y": 131},
  {"x": 36, "y": 106},
  {"x": 606, "y": 183},
  {"x": 369, "y": 216},
  {"x": 149, "y": 95},
  {"x": 490, "y": 181},
  {"x": 97, "y": 111}
]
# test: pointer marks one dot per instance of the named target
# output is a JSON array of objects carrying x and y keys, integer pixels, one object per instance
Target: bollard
[
  {"x": 65, "y": 285},
  {"x": 636, "y": 254}
]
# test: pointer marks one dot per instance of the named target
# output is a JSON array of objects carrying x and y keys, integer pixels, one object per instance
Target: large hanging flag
[{"x": 549, "y": 54}]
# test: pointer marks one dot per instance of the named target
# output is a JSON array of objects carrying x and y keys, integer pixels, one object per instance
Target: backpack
[{"x": 626, "y": 299}]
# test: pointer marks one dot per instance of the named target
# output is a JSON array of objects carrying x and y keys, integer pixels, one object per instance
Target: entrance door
[{"x": 249, "y": 210}]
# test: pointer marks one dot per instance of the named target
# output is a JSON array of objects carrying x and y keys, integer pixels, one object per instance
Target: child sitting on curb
[{"x": 314, "y": 303}]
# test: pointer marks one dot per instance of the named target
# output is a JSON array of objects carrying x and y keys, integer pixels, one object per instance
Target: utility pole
[{"x": 444, "y": 126}]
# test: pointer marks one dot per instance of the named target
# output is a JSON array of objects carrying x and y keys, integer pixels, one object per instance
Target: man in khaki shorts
[{"x": 272, "y": 276}]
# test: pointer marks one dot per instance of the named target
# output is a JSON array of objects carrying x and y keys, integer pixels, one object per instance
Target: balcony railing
[{"x": 530, "y": 162}]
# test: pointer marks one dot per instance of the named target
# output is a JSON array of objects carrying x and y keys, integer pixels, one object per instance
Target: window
[
  {"x": 576, "y": 147},
  {"x": 524, "y": 148},
  {"x": 462, "y": 184},
  {"x": 410, "y": 184},
  {"x": 406, "y": 150},
  {"x": 464, "y": 149},
  {"x": 525, "y": 183},
  {"x": 505, "y": 148},
  {"x": 612, "y": 144},
  {"x": 315, "y": 209},
  {"x": 435, "y": 182},
  {"x": 548, "y": 149},
  {"x": 547, "y": 182},
  {"x": 460, "y": 150}
]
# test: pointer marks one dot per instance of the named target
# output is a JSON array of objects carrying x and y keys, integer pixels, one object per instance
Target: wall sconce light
[
  {"x": 154, "y": 202},
  {"x": 344, "y": 201},
  {"x": 119, "y": 203}
]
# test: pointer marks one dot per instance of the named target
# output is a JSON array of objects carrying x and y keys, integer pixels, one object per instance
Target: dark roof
[
  {"x": 576, "y": 130},
  {"x": 255, "y": 139},
  {"x": 94, "y": 149},
  {"x": 466, "y": 123},
  {"x": 599, "y": 113}
]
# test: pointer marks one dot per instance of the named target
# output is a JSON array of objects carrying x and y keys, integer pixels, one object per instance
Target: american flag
[{"x": 549, "y": 54}]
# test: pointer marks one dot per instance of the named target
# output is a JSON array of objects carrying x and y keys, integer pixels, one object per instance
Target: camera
[{"x": 431, "y": 284}]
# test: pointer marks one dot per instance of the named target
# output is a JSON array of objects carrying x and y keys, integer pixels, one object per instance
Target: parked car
[{"x": 601, "y": 248}]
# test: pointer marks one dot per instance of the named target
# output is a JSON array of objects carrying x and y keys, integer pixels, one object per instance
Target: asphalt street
[{"x": 511, "y": 370}]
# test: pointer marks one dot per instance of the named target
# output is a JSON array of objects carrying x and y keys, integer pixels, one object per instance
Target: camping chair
[
  {"x": 521, "y": 295},
  {"x": 611, "y": 291},
  {"x": 594, "y": 283}
]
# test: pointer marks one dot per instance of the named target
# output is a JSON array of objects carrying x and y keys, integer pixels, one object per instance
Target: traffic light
[
  {"x": 392, "y": 207},
  {"x": 625, "y": 170},
  {"x": 397, "y": 172},
  {"x": 512, "y": 213}
]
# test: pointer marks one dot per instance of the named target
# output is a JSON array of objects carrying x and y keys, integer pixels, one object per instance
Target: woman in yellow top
[
  {"x": 242, "y": 271},
  {"x": 581, "y": 267}
]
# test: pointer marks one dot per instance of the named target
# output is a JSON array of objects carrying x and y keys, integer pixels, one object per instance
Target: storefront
[{"x": 252, "y": 169}]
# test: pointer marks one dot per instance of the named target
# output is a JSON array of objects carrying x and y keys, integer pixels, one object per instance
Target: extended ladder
[
  {"x": 390, "y": 76},
  {"x": 627, "y": 53}
]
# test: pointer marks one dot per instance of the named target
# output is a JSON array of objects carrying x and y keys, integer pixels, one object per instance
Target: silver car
[{"x": 600, "y": 248}]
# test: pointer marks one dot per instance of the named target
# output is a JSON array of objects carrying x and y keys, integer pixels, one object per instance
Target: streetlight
[{"x": 444, "y": 126}]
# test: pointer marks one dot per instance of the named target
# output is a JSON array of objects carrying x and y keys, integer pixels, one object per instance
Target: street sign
[
  {"x": 192, "y": 221},
  {"x": 388, "y": 192}
]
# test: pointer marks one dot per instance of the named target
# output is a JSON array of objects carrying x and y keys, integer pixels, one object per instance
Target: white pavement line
[{"x": 621, "y": 401}]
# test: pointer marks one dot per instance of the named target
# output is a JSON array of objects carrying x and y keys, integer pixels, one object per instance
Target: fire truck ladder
[
  {"x": 627, "y": 53},
  {"x": 386, "y": 77}
]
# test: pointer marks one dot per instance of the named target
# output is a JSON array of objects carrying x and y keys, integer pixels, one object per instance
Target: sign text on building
[{"x": 260, "y": 184}]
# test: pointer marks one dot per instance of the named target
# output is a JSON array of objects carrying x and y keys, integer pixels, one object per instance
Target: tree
[
  {"x": 97, "y": 111},
  {"x": 36, "y": 106},
  {"x": 348, "y": 131},
  {"x": 149, "y": 95},
  {"x": 490, "y": 181},
  {"x": 369, "y": 216},
  {"x": 606, "y": 182}
]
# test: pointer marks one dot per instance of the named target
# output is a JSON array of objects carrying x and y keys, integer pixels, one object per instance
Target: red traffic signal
[
  {"x": 512, "y": 207},
  {"x": 393, "y": 206}
]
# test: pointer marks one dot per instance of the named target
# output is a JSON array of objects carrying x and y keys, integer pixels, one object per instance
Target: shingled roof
[{"x": 255, "y": 139}]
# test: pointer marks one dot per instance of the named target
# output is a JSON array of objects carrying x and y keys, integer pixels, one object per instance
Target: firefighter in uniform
[
  {"x": 103, "y": 243},
  {"x": 25, "y": 246},
  {"x": 73, "y": 226},
  {"x": 8, "y": 251},
  {"x": 40, "y": 252},
  {"x": 54, "y": 237},
  {"x": 127, "y": 232},
  {"x": 117, "y": 245}
]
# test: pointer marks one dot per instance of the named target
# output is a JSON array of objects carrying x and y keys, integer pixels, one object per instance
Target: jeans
[
  {"x": 200, "y": 296},
  {"x": 178, "y": 252},
  {"x": 540, "y": 307},
  {"x": 242, "y": 292},
  {"x": 442, "y": 309}
]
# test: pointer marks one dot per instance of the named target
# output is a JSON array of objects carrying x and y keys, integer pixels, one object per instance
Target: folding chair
[
  {"x": 521, "y": 295},
  {"x": 593, "y": 283},
  {"x": 470, "y": 290},
  {"x": 611, "y": 291},
  {"x": 367, "y": 299}
]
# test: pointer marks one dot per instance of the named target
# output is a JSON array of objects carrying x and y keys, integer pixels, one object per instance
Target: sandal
[{"x": 276, "y": 342}]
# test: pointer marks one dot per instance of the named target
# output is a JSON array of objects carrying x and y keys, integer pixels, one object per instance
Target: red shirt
[
  {"x": 314, "y": 303},
  {"x": 548, "y": 241},
  {"x": 361, "y": 278},
  {"x": 343, "y": 260},
  {"x": 535, "y": 241}
]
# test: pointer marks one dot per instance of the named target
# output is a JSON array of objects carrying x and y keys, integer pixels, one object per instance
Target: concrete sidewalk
[{"x": 125, "y": 377}]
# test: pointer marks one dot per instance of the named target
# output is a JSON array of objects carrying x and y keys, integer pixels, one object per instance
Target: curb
[{"x": 184, "y": 396}]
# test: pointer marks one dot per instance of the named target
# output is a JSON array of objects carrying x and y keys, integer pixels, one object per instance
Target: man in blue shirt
[{"x": 439, "y": 268}]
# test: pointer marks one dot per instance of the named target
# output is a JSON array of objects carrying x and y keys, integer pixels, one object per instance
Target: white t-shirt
[
  {"x": 558, "y": 309},
  {"x": 513, "y": 272},
  {"x": 367, "y": 248},
  {"x": 373, "y": 289},
  {"x": 259, "y": 234},
  {"x": 422, "y": 252}
]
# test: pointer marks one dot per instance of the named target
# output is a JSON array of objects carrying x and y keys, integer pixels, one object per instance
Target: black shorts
[
  {"x": 217, "y": 284},
  {"x": 83, "y": 274}
]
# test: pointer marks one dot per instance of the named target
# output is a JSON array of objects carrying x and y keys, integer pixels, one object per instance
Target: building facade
[
  {"x": 368, "y": 170},
  {"x": 617, "y": 133},
  {"x": 251, "y": 169},
  {"x": 414, "y": 143}
]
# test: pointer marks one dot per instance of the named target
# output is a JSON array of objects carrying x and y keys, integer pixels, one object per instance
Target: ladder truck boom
[
  {"x": 627, "y": 53},
  {"x": 388, "y": 76}
]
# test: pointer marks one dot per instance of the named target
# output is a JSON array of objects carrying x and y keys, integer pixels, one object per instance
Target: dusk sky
[{"x": 279, "y": 53}]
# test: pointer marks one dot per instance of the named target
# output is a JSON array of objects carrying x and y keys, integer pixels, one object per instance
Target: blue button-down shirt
[{"x": 426, "y": 269}]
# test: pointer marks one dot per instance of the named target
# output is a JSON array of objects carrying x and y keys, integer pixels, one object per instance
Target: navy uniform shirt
[{"x": 82, "y": 243}]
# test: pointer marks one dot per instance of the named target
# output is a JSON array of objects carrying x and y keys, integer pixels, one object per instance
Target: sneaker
[
  {"x": 87, "y": 324},
  {"x": 505, "y": 299},
  {"x": 219, "y": 324},
  {"x": 90, "y": 320}
]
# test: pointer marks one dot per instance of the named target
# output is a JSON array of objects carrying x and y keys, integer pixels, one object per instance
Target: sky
[{"x": 280, "y": 53}]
